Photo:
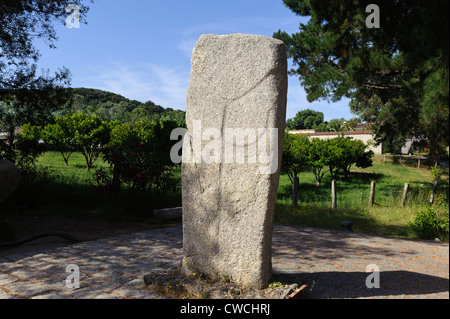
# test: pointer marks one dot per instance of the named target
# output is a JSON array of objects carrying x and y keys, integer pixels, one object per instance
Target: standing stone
[
  {"x": 237, "y": 82},
  {"x": 9, "y": 179}
]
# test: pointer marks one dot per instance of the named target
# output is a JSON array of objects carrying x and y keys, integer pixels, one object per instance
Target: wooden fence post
[
  {"x": 333, "y": 194},
  {"x": 405, "y": 194},
  {"x": 372, "y": 193},
  {"x": 418, "y": 163},
  {"x": 433, "y": 192}
]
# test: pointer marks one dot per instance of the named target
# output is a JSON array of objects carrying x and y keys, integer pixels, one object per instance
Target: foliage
[
  {"x": 90, "y": 135},
  {"x": 103, "y": 181},
  {"x": 344, "y": 152},
  {"x": 396, "y": 76},
  {"x": 110, "y": 107},
  {"x": 306, "y": 119},
  {"x": 139, "y": 155},
  {"x": 29, "y": 146},
  {"x": 336, "y": 156},
  {"x": 25, "y": 149},
  {"x": 22, "y": 22},
  {"x": 387, "y": 218},
  {"x": 428, "y": 224},
  {"x": 318, "y": 158},
  {"x": 29, "y": 97},
  {"x": 309, "y": 119},
  {"x": 437, "y": 174},
  {"x": 295, "y": 150},
  {"x": 60, "y": 136}
]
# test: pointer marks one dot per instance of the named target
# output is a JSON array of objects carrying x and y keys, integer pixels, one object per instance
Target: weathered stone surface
[
  {"x": 9, "y": 179},
  {"x": 237, "y": 82}
]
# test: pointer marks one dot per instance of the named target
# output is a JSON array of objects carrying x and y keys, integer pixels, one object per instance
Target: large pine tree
[{"x": 396, "y": 76}]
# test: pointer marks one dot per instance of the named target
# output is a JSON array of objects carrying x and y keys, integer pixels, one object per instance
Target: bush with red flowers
[{"x": 139, "y": 155}]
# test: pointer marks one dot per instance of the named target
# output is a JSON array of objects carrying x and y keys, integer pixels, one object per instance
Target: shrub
[
  {"x": 429, "y": 224},
  {"x": 344, "y": 152},
  {"x": 26, "y": 147},
  {"x": 437, "y": 174},
  {"x": 139, "y": 155}
]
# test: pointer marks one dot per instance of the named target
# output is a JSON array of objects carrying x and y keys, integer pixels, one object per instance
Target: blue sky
[{"x": 141, "y": 49}]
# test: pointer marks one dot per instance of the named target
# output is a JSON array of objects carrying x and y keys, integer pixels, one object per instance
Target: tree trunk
[
  {"x": 11, "y": 143},
  {"x": 434, "y": 155},
  {"x": 86, "y": 156}
]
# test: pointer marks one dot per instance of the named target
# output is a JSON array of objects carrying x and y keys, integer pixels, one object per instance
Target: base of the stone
[{"x": 172, "y": 284}]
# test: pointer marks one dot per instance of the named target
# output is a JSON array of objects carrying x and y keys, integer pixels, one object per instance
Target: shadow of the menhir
[{"x": 325, "y": 285}]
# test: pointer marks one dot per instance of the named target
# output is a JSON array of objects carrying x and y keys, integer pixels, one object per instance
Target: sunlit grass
[{"x": 386, "y": 217}]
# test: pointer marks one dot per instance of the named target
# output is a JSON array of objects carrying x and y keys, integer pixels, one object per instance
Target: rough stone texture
[
  {"x": 237, "y": 81},
  {"x": 9, "y": 179}
]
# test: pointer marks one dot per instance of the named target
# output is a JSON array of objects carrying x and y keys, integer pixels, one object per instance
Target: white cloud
[
  {"x": 186, "y": 45},
  {"x": 172, "y": 86},
  {"x": 163, "y": 85}
]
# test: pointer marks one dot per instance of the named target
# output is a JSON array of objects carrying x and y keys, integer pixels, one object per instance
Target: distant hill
[
  {"x": 111, "y": 106},
  {"x": 96, "y": 97}
]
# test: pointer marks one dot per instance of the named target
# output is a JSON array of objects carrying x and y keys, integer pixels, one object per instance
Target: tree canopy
[
  {"x": 22, "y": 22},
  {"x": 396, "y": 76},
  {"x": 111, "y": 106},
  {"x": 306, "y": 119},
  {"x": 25, "y": 96}
]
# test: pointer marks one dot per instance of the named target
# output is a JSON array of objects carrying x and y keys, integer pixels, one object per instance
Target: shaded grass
[{"x": 54, "y": 189}]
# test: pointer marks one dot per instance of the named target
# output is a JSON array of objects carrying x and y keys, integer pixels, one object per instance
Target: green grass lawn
[
  {"x": 76, "y": 170},
  {"x": 57, "y": 189},
  {"x": 386, "y": 217}
]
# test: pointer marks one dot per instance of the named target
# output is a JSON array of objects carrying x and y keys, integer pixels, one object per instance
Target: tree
[
  {"x": 90, "y": 135},
  {"x": 318, "y": 158},
  {"x": 335, "y": 125},
  {"x": 30, "y": 97},
  {"x": 294, "y": 160},
  {"x": 306, "y": 119},
  {"x": 397, "y": 76},
  {"x": 60, "y": 136},
  {"x": 33, "y": 103},
  {"x": 110, "y": 106},
  {"x": 25, "y": 148},
  {"x": 343, "y": 153},
  {"x": 22, "y": 22}
]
